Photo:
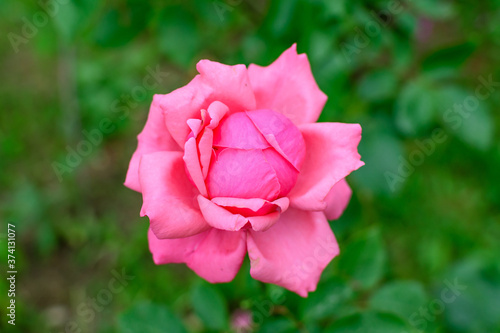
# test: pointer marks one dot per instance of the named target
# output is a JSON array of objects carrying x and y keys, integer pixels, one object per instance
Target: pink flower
[
  {"x": 234, "y": 162},
  {"x": 242, "y": 321}
]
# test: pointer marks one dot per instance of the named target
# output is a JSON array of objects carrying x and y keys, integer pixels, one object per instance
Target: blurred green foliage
[{"x": 425, "y": 211}]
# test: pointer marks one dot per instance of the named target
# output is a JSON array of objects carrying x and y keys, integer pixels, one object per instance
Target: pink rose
[{"x": 234, "y": 162}]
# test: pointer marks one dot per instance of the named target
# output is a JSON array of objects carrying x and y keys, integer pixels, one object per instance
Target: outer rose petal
[
  {"x": 293, "y": 252},
  {"x": 331, "y": 154},
  {"x": 337, "y": 200},
  {"x": 169, "y": 198},
  {"x": 288, "y": 86},
  {"x": 215, "y": 255},
  {"x": 154, "y": 137},
  {"x": 216, "y": 82}
]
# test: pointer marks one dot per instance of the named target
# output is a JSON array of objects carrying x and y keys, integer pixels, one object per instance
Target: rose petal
[
  {"x": 288, "y": 86},
  {"x": 202, "y": 131},
  {"x": 169, "y": 198},
  {"x": 263, "y": 213},
  {"x": 196, "y": 125},
  {"x": 238, "y": 131},
  {"x": 281, "y": 134},
  {"x": 154, "y": 137},
  {"x": 337, "y": 200},
  {"x": 205, "y": 150},
  {"x": 331, "y": 154},
  {"x": 242, "y": 174},
  {"x": 293, "y": 252},
  {"x": 215, "y": 255},
  {"x": 219, "y": 217},
  {"x": 216, "y": 82},
  {"x": 251, "y": 207},
  {"x": 285, "y": 172},
  {"x": 216, "y": 111},
  {"x": 192, "y": 161}
]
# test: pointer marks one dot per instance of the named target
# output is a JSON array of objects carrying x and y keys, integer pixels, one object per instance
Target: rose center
[{"x": 256, "y": 154}]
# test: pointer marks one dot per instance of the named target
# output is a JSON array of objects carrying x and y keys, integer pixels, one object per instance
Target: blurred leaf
[
  {"x": 434, "y": 8},
  {"x": 373, "y": 322},
  {"x": 403, "y": 53},
  {"x": 414, "y": 108},
  {"x": 67, "y": 20},
  {"x": 280, "y": 16},
  {"x": 408, "y": 23},
  {"x": 377, "y": 85},
  {"x": 210, "y": 306},
  {"x": 279, "y": 325},
  {"x": 178, "y": 35},
  {"x": 466, "y": 116},
  {"x": 320, "y": 47},
  {"x": 326, "y": 301},
  {"x": 440, "y": 73},
  {"x": 474, "y": 295},
  {"x": 253, "y": 49},
  {"x": 147, "y": 317},
  {"x": 334, "y": 8},
  {"x": 119, "y": 26},
  {"x": 452, "y": 57},
  {"x": 399, "y": 297},
  {"x": 46, "y": 238},
  {"x": 363, "y": 259},
  {"x": 382, "y": 152},
  {"x": 434, "y": 254}
]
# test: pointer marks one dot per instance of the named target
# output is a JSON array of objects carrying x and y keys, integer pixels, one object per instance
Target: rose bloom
[{"x": 234, "y": 162}]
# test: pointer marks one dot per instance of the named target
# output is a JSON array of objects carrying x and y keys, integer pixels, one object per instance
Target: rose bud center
[{"x": 256, "y": 154}]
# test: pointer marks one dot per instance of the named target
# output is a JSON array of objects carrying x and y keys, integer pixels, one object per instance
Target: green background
[{"x": 425, "y": 211}]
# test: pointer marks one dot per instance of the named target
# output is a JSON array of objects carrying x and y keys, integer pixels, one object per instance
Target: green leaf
[
  {"x": 146, "y": 317},
  {"x": 327, "y": 300},
  {"x": 334, "y": 8},
  {"x": 382, "y": 152},
  {"x": 119, "y": 26},
  {"x": 373, "y": 322},
  {"x": 210, "y": 306},
  {"x": 449, "y": 57},
  {"x": 472, "y": 289},
  {"x": 67, "y": 20},
  {"x": 434, "y": 8},
  {"x": 279, "y": 325},
  {"x": 467, "y": 116},
  {"x": 363, "y": 260},
  {"x": 280, "y": 16},
  {"x": 414, "y": 108},
  {"x": 400, "y": 297},
  {"x": 377, "y": 85},
  {"x": 178, "y": 36},
  {"x": 402, "y": 52}
]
